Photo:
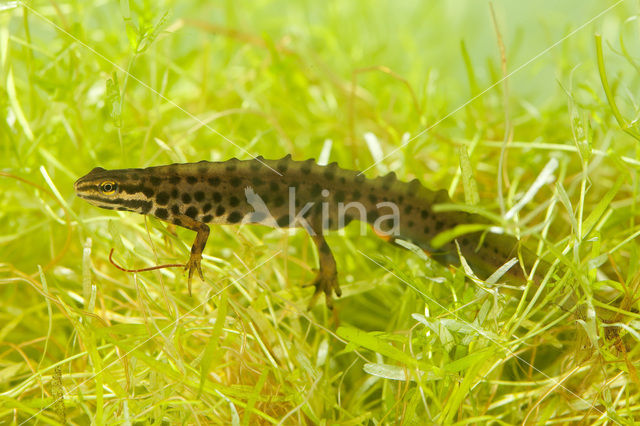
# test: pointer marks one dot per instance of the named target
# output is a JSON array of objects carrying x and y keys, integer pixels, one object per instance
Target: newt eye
[{"x": 108, "y": 187}]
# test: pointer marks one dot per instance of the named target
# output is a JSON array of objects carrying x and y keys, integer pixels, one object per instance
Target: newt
[{"x": 301, "y": 194}]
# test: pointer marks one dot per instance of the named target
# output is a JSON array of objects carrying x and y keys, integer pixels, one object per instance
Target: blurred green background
[{"x": 141, "y": 83}]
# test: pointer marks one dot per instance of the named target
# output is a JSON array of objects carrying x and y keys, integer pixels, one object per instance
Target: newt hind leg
[
  {"x": 326, "y": 280},
  {"x": 193, "y": 264}
]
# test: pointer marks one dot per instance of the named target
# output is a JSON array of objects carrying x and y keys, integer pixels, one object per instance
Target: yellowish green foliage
[{"x": 526, "y": 111}]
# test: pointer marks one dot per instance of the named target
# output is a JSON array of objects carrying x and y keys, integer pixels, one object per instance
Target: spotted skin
[{"x": 193, "y": 195}]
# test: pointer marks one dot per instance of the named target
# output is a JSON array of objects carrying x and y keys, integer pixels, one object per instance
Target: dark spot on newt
[
  {"x": 146, "y": 207},
  {"x": 282, "y": 166},
  {"x": 192, "y": 212},
  {"x": 283, "y": 221},
  {"x": 234, "y": 217},
  {"x": 329, "y": 174},
  {"x": 316, "y": 190},
  {"x": 162, "y": 198},
  {"x": 148, "y": 192},
  {"x": 161, "y": 213}
]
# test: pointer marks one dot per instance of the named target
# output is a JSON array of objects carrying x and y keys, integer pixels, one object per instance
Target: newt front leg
[{"x": 202, "y": 229}]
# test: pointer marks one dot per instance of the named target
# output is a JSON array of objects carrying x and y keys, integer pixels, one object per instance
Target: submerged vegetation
[{"x": 525, "y": 112}]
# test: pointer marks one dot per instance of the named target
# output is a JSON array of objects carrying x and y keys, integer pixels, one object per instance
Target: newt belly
[{"x": 301, "y": 194}]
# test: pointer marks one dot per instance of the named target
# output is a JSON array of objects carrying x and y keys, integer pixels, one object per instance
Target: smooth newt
[{"x": 321, "y": 198}]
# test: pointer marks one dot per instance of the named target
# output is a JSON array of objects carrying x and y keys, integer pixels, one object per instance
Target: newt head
[{"x": 114, "y": 190}]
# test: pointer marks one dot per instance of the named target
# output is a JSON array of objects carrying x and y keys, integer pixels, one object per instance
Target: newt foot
[
  {"x": 194, "y": 265},
  {"x": 326, "y": 283}
]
